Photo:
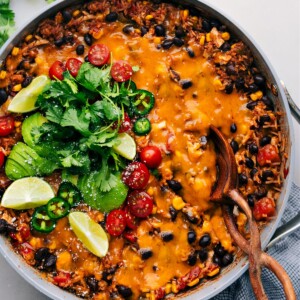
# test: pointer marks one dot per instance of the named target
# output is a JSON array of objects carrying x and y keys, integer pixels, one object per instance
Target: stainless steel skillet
[{"x": 210, "y": 288}]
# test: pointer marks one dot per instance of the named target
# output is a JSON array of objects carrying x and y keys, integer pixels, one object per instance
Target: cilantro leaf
[{"x": 7, "y": 23}]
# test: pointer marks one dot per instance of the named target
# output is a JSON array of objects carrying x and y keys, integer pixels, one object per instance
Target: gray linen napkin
[{"x": 285, "y": 251}]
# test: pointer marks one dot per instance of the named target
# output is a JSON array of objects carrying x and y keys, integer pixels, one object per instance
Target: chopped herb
[{"x": 7, "y": 23}]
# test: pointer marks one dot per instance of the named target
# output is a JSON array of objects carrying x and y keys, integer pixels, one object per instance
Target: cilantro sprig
[{"x": 7, "y": 23}]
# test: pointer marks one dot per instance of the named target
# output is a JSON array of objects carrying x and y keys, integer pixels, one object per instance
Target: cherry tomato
[
  {"x": 151, "y": 156},
  {"x": 126, "y": 124},
  {"x": 136, "y": 175},
  {"x": 26, "y": 250},
  {"x": 267, "y": 154},
  {"x": 121, "y": 71},
  {"x": 116, "y": 222},
  {"x": 264, "y": 208},
  {"x": 131, "y": 221},
  {"x": 62, "y": 278},
  {"x": 24, "y": 232},
  {"x": 7, "y": 125},
  {"x": 130, "y": 236},
  {"x": 73, "y": 65},
  {"x": 56, "y": 70},
  {"x": 140, "y": 204},
  {"x": 99, "y": 55},
  {"x": 2, "y": 158}
]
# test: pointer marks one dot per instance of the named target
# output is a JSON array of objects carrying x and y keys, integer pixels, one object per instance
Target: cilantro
[{"x": 7, "y": 23}]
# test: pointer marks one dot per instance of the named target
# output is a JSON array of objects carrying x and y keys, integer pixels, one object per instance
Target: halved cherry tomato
[
  {"x": 2, "y": 158},
  {"x": 99, "y": 55},
  {"x": 267, "y": 154},
  {"x": 62, "y": 278},
  {"x": 140, "y": 204},
  {"x": 136, "y": 175},
  {"x": 56, "y": 70},
  {"x": 126, "y": 124},
  {"x": 131, "y": 221},
  {"x": 73, "y": 65},
  {"x": 121, "y": 71},
  {"x": 151, "y": 156},
  {"x": 264, "y": 208},
  {"x": 7, "y": 125},
  {"x": 130, "y": 236},
  {"x": 116, "y": 222}
]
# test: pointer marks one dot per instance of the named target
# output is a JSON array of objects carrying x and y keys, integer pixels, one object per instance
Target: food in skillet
[{"x": 106, "y": 108}]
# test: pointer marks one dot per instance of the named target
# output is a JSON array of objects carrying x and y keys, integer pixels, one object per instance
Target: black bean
[
  {"x": 249, "y": 162},
  {"x": 217, "y": 260},
  {"x": 86, "y": 58},
  {"x": 128, "y": 29},
  {"x": 252, "y": 88},
  {"x": 266, "y": 174},
  {"x": 191, "y": 236},
  {"x": 190, "y": 52},
  {"x": 3, "y": 96},
  {"x": 108, "y": 272},
  {"x": 261, "y": 192},
  {"x": 11, "y": 228},
  {"x": 206, "y": 25},
  {"x": 50, "y": 261},
  {"x": 160, "y": 30},
  {"x": 59, "y": 42},
  {"x": 67, "y": 16},
  {"x": 179, "y": 32},
  {"x": 111, "y": 17},
  {"x": 253, "y": 172},
  {"x": 154, "y": 268},
  {"x": 263, "y": 119},
  {"x": 173, "y": 212},
  {"x": 259, "y": 79},
  {"x": 41, "y": 254},
  {"x": 27, "y": 81},
  {"x": 205, "y": 240},
  {"x": 178, "y": 42},
  {"x": 251, "y": 199},
  {"x": 3, "y": 226},
  {"x": 167, "y": 44},
  {"x": 174, "y": 185},
  {"x": 191, "y": 218},
  {"x": 69, "y": 38},
  {"x": 233, "y": 128},
  {"x": 223, "y": 28},
  {"x": 92, "y": 283},
  {"x": 203, "y": 254},
  {"x": 240, "y": 83},
  {"x": 229, "y": 88},
  {"x": 144, "y": 30},
  {"x": 124, "y": 290},
  {"x": 243, "y": 179},
  {"x": 227, "y": 259},
  {"x": 80, "y": 49},
  {"x": 230, "y": 69},
  {"x": 215, "y": 23},
  {"x": 268, "y": 103},
  {"x": 225, "y": 47},
  {"x": 88, "y": 39},
  {"x": 264, "y": 140},
  {"x": 185, "y": 83},
  {"x": 167, "y": 236},
  {"x": 219, "y": 250},
  {"x": 145, "y": 253},
  {"x": 192, "y": 259},
  {"x": 253, "y": 148},
  {"x": 250, "y": 105},
  {"x": 234, "y": 145},
  {"x": 194, "y": 11}
]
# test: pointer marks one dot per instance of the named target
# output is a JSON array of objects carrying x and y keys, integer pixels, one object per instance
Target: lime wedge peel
[
  {"x": 125, "y": 146},
  {"x": 90, "y": 233},
  {"x": 26, "y": 193},
  {"x": 25, "y": 100}
]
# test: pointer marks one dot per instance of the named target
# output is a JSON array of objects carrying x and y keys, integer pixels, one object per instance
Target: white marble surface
[{"x": 274, "y": 24}]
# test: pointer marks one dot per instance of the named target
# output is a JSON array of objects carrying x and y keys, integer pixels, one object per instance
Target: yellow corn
[
  {"x": 17, "y": 87},
  {"x": 157, "y": 40},
  {"x": 154, "y": 210},
  {"x": 3, "y": 74},
  {"x": 257, "y": 95},
  {"x": 152, "y": 296},
  {"x": 97, "y": 34},
  {"x": 18, "y": 123},
  {"x": 28, "y": 37},
  {"x": 226, "y": 36},
  {"x": 194, "y": 282},
  {"x": 174, "y": 287},
  {"x": 38, "y": 60},
  {"x": 218, "y": 83},
  {"x": 149, "y": 17},
  {"x": 76, "y": 13},
  {"x": 208, "y": 37},
  {"x": 185, "y": 14},
  {"x": 178, "y": 154},
  {"x": 168, "y": 288},
  {"x": 202, "y": 40},
  {"x": 214, "y": 272},
  {"x": 178, "y": 203},
  {"x": 150, "y": 191},
  {"x": 15, "y": 51}
]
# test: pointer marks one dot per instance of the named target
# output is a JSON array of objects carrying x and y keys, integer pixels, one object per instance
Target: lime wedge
[
  {"x": 25, "y": 100},
  {"x": 90, "y": 233},
  {"x": 125, "y": 146},
  {"x": 25, "y": 193}
]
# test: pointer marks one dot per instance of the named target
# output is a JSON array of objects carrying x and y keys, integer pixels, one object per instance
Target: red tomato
[
  {"x": 2, "y": 158},
  {"x": 62, "y": 278},
  {"x": 136, "y": 175},
  {"x": 130, "y": 236},
  {"x": 25, "y": 248},
  {"x": 25, "y": 232},
  {"x": 267, "y": 154},
  {"x": 121, "y": 71},
  {"x": 116, "y": 222},
  {"x": 7, "y": 125},
  {"x": 56, "y": 70},
  {"x": 140, "y": 204},
  {"x": 131, "y": 221},
  {"x": 264, "y": 208},
  {"x": 73, "y": 65},
  {"x": 99, "y": 55},
  {"x": 151, "y": 156},
  {"x": 126, "y": 124}
]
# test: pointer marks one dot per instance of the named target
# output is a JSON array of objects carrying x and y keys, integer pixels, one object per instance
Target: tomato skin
[
  {"x": 73, "y": 65},
  {"x": 130, "y": 236},
  {"x": 62, "y": 278},
  {"x": 151, "y": 156},
  {"x": 131, "y": 221},
  {"x": 126, "y": 124},
  {"x": 136, "y": 175},
  {"x": 140, "y": 204},
  {"x": 264, "y": 208},
  {"x": 121, "y": 71},
  {"x": 25, "y": 232},
  {"x": 56, "y": 70},
  {"x": 267, "y": 154},
  {"x": 7, "y": 125},
  {"x": 2, "y": 158},
  {"x": 116, "y": 222},
  {"x": 99, "y": 55}
]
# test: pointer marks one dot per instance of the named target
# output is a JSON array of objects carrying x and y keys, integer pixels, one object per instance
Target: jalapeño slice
[
  {"x": 58, "y": 208},
  {"x": 142, "y": 103},
  {"x": 41, "y": 221},
  {"x": 69, "y": 192},
  {"x": 142, "y": 126}
]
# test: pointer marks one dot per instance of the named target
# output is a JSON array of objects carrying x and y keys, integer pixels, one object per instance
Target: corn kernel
[
  {"x": 226, "y": 36},
  {"x": 194, "y": 282},
  {"x": 218, "y": 83},
  {"x": 178, "y": 154},
  {"x": 257, "y": 95},
  {"x": 174, "y": 287},
  {"x": 185, "y": 14},
  {"x": 208, "y": 37},
  {"x": 154, "y": 210},
  {"x": 178, "y": 203},
  {"x": 168, "y": 288},
  {"x": 157, "y": 40},
  {"x": 97, "y": 34},
  {"x": 15, "y": 51},
  {"x": 17, "y": 87},
  {"x": 38, "y": 60},
  {"x": 3, "y": 74},
  {"x": 76, "y": 13},
  {"x": 152, "y": 296},
  {"x": 149, "y": 17},
  {"x": 150, "y": 191},
  {"x": 202, "y": 40},
  {"x": 18, "y": 123},
  {"x": 28, "y": 37},
  {"x": 214, "y": 272}
]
